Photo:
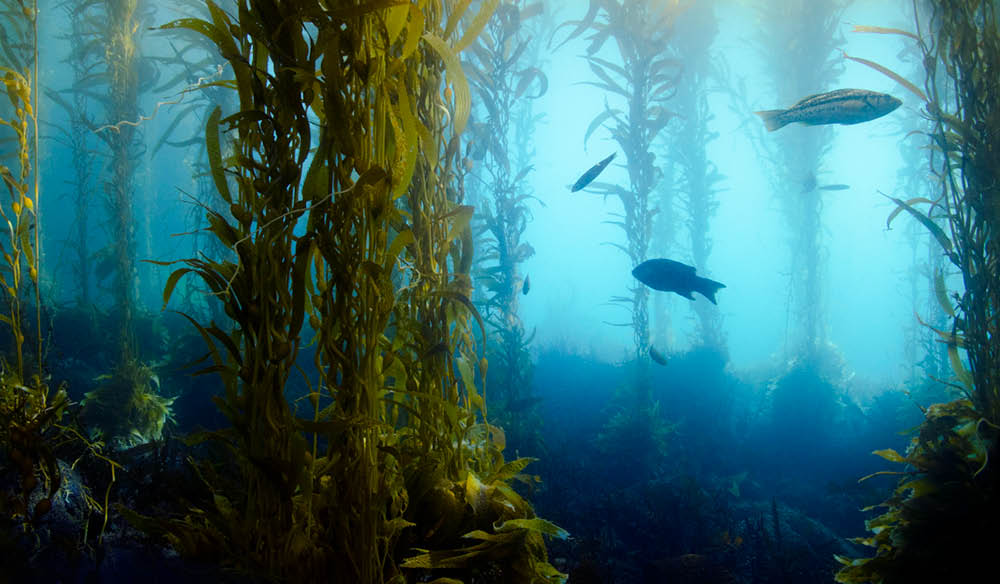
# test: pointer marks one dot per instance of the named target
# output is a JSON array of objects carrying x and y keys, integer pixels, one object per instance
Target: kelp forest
[{"x": 499, "y": 291}]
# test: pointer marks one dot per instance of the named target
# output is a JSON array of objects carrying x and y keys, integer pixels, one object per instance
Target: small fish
[
  {"x": 843, "y": 106},
  {"x": 670, "y": 276},
  {"x": 809, "y": 185},
  {"x": 657, "y": 356},
  {"x": 526, "y": 286},
  {"x": 588, "y": 177}
]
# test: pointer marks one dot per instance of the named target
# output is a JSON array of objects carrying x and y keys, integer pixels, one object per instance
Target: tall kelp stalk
[
  {"x": 21, "y": 246},
  {"x": 927, "y": 276},
  {"x": 503, "y": 79},
  {"x": 346, "y": 204},
  {"x": 28, "y": 410},
  {"x": 84, "y": 57},
  {"x": 125, "y": 407},
  {"x": 939, "y": 524},
  {"x": 122, "y": 138},
  {"x": 799, "y": 41},
  {"x": 697, "y": 176},
  {"x": 644, "y": 81}
]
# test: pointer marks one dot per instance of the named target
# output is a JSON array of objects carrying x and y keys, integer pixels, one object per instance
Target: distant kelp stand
[
  {"x": 78, "y": 139},
  {"x": 799, "y": 41},
  {"x": 344, "y": 210},
  {"x": 939, "y": 524},
  {"x": 696, "y": 177},
  {"x": 503, "y": 80}
]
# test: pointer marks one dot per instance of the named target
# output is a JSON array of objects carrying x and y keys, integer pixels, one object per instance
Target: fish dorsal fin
[{"x": 681, "y": 267}]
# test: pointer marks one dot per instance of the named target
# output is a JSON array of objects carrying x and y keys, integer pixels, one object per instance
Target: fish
[
  {"x": 526, "y": 285},
  {"x": 657, "y": 356},
  {"x": 809, "y": 185},
  {"x": 589, "y": 176},
  {"x": 670, "y": 276},
  {"x": 842, "y": 106}
]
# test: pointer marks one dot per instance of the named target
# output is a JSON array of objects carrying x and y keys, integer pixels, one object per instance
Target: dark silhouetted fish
[
  {"x": 526, "y": 285},
  {"x": 670, "y": 276},
  {"x": 657, "y": 356},
  {"x": 589, "y": 176},
  {"x": 834, "y": 187},
  {"x": 843, "y": 106}
]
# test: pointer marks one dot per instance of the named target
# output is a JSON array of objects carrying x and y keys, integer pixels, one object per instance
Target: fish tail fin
[
  {"x": 709, "y": 288},
  {"x": 772, "y": 119}
]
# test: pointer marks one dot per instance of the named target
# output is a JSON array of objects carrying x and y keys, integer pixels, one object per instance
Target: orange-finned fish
[{"x": 588, "y": 177}]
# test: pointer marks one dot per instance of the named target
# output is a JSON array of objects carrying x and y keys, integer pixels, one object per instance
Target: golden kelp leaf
[
  {"x": 395, "y": 19},
  {"x": 942, "y": 293},
  {"x": 890, "y": 74},
  {"x": 456, "y": 16},
  {"x": 961, "y": 373},
  {"x": 460, "y": 85},
  {"x": 477, "y": 25},
  {"x": 920, "y": 487},
  {"x": 476, "y": 493},
  {"x": 508, "y": 470},
  {"x": 413, "y": 31},
  {"x": 898, "y": 210},
  {"x": 536, "y": 524},
  {"x": 927, "y": 222},
  {"x": 890, "y": 455},
  {"x": 461, "y": 216},
  {"x": 884, "y": 30},
  {"x": 402, "y": 239},
  {"x": 406, "y": 144},
  {"x": 214, "y": 152}
]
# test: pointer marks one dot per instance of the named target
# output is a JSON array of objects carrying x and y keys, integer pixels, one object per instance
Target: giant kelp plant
[
  {"x": 644, "y": 81},
  {"x": 939, "y": 524},
  {"x": 113, "y": 25},
  {"x": 76, "y": 136},
  {"x": 800, "y": 43},
  {"x": 341, "y": 180},
  {"x": 28, "y": 409},
  {"x": 503, "y": 79},
  {"x": 697, "y": 177}
]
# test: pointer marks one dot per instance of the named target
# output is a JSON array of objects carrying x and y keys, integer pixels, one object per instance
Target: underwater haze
[{"x": 497, "y": 291}]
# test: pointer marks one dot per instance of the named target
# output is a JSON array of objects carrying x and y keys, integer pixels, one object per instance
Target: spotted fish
[{"x": 843, "y": 106}]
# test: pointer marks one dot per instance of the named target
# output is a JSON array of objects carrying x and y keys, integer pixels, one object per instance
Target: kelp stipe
[
  {"x": 939, "y": 523},
  {"x": 645, "y": 82},
  {"x": 116, "y": 68},
  {"x": 505, "y": 79},
  {"x": 346, "y": 213},
  {"x": 28, "y": 409},
  {"x": 696, "y": 177},
  {"x": 812, "y": 66}
]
